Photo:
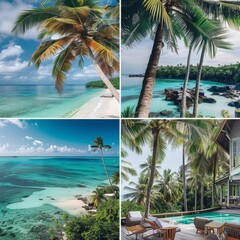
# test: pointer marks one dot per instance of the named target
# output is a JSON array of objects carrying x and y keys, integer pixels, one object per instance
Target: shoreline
[
  {"x": 101, "y": 106},
  {"x": 69, "y": 200}
]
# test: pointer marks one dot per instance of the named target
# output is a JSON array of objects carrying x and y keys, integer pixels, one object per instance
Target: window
[{"x": 236, "y": 152}]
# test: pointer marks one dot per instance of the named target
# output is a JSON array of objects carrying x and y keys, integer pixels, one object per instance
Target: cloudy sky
[
  {"x": 135, "y": 59},
  {"x": 56, "y": 138},
  {"x": 15, "y": 52}
]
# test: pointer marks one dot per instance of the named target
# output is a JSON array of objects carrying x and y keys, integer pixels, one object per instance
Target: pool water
[{"x": 215, "y": 216}]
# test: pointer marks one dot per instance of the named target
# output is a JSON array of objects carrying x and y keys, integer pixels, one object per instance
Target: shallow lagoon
[
  {"x": 42, "y": 101},
  {"x": 131, "y": 88},
  {"x": 29, "y": 185}
]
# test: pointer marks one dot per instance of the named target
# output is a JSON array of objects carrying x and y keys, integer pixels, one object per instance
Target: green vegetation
[
  {"x": 85, "y": 29},
  {"x": 100, "y": 84},
  {"x": 228, "y": 74},
  {"x": 104, "y": 226},
  {"x": 199, "y": 23},
  {"x": 193, "y": 186}
]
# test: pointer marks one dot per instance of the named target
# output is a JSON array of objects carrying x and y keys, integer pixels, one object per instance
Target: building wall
[{"x": 235, "y": 132}]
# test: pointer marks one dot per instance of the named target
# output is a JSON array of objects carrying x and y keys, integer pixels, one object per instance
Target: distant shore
[{"x": 102, "y": 106}]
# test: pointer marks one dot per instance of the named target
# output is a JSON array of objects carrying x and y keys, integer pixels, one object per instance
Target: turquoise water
[
  {"x": 131, "y": 88},
  {"x": 215, "y": 216},
  {"x": 45, "y": 181},
  {"x": 42, "y": 101}
]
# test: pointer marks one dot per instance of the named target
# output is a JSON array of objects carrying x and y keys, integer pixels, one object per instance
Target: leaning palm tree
[
  {"x": 99, "y": 145},
  {"x": 213, "y": 39},
  {"x": 98, "y": 197},
  {"x": 170, "y": 18},
  {"x": 83, "y": 32}
]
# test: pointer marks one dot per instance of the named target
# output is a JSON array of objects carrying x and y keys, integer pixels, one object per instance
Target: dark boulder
[
  {"x": 166, "y": 113},
  {"x": 209, "y": 100}
]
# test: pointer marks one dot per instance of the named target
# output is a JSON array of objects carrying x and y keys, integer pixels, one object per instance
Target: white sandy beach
[
  {"x": 62, "y": 198},
  {"x": 104, "y": 106}
]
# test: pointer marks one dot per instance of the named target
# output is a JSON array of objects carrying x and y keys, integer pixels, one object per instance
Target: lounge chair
[
  {"x": 166, "y": 231},
  {"x": 232, "y": 231},
  {"x": 134, "y": 218},
  {"x": 200, "y": 224}
]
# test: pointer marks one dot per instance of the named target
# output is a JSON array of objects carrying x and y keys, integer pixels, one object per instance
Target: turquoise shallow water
[
  {"x": 215, "y": 216},
  {"x": 131, "y": 88},
  {"x": 22, "y": 177},
  {"x": 42, "y": 101}
]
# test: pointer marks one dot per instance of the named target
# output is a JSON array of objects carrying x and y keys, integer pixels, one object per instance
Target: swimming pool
[{"x": 215, "y": 216}]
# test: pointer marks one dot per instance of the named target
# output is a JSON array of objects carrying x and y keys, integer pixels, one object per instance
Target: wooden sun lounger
[{"x": 136, "y": 230}]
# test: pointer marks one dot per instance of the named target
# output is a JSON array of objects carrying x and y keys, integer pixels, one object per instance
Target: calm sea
[
  {"x": 42, "y": 101},
  {"x": 131, "y": 88}
]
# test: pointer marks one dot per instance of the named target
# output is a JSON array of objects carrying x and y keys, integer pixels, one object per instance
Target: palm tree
[
  {"x": 116, "y": 178},
  {"x": 126, "y": 167},
  {"x": 83, "y": 32},
  {"x": 169, "y": 185},
  {"x": 169, "y": 17},
  {"x": 137, "y": 191},
  {"x": 99, "y": 145},
  {"x": 156, "y": 133},
  {"x": 146, "y": 167},
  {"x": 97, "y": 198},
  {"x": 215, "y": 38}
]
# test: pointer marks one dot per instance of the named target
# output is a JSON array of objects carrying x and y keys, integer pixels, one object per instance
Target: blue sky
[
  {"x": 15, "y": 52},
  {"x": 135, "y": 59},
  {"x": 57, "y": 137}
]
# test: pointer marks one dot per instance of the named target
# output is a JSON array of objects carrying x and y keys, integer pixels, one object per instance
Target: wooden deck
[{"x": 188, "y": 232}]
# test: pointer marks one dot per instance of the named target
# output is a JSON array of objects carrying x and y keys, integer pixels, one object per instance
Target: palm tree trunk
[
  {"x": 202, "y": 193},
  {"x": 213, "y": 182},
  {"x": 195, "y": 200},
  {"x": 145, "y": 98},
  {"x": 184, "y": 181},
  {"x": 104, "y": 78},
  {"x": 155, "y": 133},
  {"x": 105, "y": 168},
  {"x": 195, "y": 107},
  {"x": 184, "y": 93}
]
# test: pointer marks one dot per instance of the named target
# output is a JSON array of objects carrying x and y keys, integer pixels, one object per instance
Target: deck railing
[{"x": 175, "y": 214}]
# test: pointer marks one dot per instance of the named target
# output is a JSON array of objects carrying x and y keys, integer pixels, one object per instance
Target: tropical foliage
[
  {"x": 198, "y": 23},
  {"x": 73, "y": 30},
  {"x": 193, "y": 186}
]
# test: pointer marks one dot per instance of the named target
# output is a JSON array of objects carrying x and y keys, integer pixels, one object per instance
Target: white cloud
[
  {"x": 30, "y": 150},
  {"x": 61, "y": 149},
  {"x": 12, "y": 65},
  {"x": 44, "y": 72},
  {"x": 11, "y": 51},
  {"x": 29, "y": 138},
  {"x": 88, "y": 71},
  {"x": 18, "y": 123},
  {"x": 4, "y": 148},
  {"x": 37, "y": 142},
  {"x": 8, "y": 14}
]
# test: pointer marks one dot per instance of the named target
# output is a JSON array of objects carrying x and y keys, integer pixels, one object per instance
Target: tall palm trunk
[
  {"x": 184, "y": 93},
  {"x": 104, "y": 78},
  {"x": 184, "y": 181},
  {"x": 145, "y": 98},
  {"x": 155, "y": 133},
  {"x": 202, "y": 193},
  {"x": 195, "y": 107},
  {"x": 195, "y": 197},
  {"x": 213, "y": 181},
  {"x": 106, "y": 172}
]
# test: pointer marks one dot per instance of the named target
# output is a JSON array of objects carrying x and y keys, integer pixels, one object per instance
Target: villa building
[{"x": 229, "y": 186}]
